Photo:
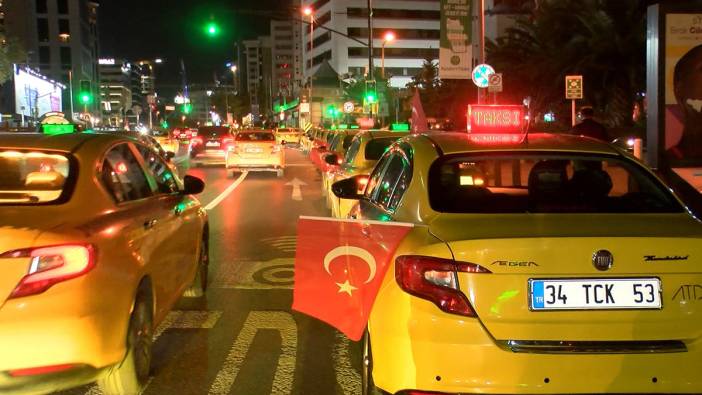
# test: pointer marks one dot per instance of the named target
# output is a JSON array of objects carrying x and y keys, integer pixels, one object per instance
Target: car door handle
[{"x": 150, "y": 224}]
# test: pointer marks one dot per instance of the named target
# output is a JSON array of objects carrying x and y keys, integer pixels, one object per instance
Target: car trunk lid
[{"x": 520, "y": 250}]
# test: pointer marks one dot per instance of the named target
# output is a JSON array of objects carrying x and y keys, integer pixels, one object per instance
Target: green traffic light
[
  {"x": 85, "y": 98},
  {"x": 212, "y": 29},
  {"x": 370, "y": 97}
]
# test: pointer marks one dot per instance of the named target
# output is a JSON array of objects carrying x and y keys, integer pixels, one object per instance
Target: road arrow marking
[{"x": 296, "y": 183}]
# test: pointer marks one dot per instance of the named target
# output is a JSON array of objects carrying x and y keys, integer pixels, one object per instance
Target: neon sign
[{"x": 496, "y": 119}]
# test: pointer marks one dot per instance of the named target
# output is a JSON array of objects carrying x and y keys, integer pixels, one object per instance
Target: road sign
[
  {"x": 349, "y": 107},
  {"x": 574, "y": 87},
  {"x": 480, "y": 75},
  {"x": 495, "y": 82}
]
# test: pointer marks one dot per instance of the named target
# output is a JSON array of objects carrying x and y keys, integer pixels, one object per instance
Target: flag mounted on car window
[{"x": 339, "y": 266}]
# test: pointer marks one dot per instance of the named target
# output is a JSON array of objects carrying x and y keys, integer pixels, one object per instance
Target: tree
[
  {"x": 602, "y": 40},
  {"x": 428, "y": 83},
  {"x": 11, "y": 51}
]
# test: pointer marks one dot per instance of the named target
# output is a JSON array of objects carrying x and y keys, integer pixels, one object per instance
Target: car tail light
[
  {"x": 176, "y": 132},
  {"x": 42, "y": 370},
  {"x": 435, "y": 280},
  {"x": 51, "y": 265}
]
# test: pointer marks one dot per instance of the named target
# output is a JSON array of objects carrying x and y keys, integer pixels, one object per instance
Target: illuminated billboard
[{"x": 35, "y": 94}]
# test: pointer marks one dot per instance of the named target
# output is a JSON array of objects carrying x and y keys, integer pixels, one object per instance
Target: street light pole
[
  {"x": 389, "y": 36},
  {"x": 370, "y": 50}
]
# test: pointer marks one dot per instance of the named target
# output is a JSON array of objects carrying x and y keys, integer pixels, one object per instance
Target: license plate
[
  {"x": 212, "y": 144},
  {"x": 254, "y": 150},
  {"x": 595, "y": 294}
]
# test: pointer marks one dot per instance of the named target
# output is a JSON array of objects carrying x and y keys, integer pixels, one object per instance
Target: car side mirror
[
  {"x": 192, "y": 185},
  {"x": 351, "y": 188},
  {"x": 332, "y": 159}
]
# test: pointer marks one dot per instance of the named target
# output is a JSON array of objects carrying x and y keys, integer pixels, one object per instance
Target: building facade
[
  {"x": 414, "y": 22},
  {"x": 121, "y": 89},
  {"x": 258, "y": 64},
  {"x": 61, "y": 40}
]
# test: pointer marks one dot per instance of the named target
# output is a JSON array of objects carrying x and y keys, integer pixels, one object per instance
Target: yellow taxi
[
  {"x": 360, "y": 157},
  {"x": 338, "y": 146},
  {"x": 98, "y": 240},
  {"x": 288, "y": 135},
  {"x": 548, "y": 264},
  {"x": 255, "y": 150}
]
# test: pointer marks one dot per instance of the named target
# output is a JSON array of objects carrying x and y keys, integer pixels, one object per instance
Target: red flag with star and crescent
[{"x": 339, "y": 266}]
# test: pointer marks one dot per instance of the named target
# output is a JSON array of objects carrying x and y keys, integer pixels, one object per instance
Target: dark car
[{"x": 210, "y": 144}]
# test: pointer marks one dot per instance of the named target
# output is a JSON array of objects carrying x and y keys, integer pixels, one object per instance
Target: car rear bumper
[
  {"x": 416, "y": 346},
  {"x": 208, "y": 157},
  {"x": 271, "y": 163}
]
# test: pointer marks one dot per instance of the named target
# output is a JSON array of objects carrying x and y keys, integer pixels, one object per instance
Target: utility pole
[{"x": 370, "y": 48}]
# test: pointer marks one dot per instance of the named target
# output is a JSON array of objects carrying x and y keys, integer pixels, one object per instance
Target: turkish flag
[{"x": 339, "y": 266}]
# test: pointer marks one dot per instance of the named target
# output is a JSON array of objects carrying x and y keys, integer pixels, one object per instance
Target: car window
[
  {"x": 334, "y": 144},
  {"x": 352, "y": 152},
  {"x": 123, "y": 176},
  {"x": 347, "y": 141},
  {"x": 545, "y": 183},
  {"x": 393, "y": 182},
  {"x": 213, "y": 131},
  {"x": 377, "y": 147},
  {"x": 33, "y": 177},
  {"x": 255, "y": 136},
  {"x": 159, "y": 170},
  {"x": 374, "y": 181}
]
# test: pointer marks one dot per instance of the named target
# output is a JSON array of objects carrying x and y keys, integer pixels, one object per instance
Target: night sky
[{"x": 174, "y": 29}]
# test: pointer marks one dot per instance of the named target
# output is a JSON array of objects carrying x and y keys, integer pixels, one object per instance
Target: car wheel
[
  {"x": 367, "y": 385},
  {"x": 129, "y": 376},
  {"x": 199, "y": 286}
]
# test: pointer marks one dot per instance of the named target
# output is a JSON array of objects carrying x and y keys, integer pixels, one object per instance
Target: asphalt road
[{"x": 243, "y": 338}]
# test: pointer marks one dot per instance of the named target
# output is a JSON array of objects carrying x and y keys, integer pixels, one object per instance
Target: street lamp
[
  {"x": 308, "y": 11},
  {"x": 388, "y": 37}
]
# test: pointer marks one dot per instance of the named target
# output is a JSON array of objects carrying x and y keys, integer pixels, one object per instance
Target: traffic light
[
  {"x": 212, "y": 29},
  {"x": 371, "y": 96},
  {"x": 85, "y": 94}
]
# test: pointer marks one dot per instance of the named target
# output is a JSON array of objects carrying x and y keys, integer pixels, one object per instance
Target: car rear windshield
[
  {"x": 377, "y": 147},
  {"x": 213, "y": 131},
  {"x": 545, "y": 183},
  {"x": 33, "y": 177},
  {"x": 255, "y": 136}
]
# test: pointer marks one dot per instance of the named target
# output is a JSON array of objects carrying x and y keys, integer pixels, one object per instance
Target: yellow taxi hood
[{"x": 454, "y": 227}]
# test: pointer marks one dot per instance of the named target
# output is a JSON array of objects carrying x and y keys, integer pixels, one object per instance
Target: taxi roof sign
[{"x": 503, "y": 122}]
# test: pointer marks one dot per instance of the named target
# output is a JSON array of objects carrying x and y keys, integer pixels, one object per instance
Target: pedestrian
[{"x": 589, "y": 127}]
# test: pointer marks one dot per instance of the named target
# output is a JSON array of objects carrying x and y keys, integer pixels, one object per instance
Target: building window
[
  {"x": 406, "y": 34},
  {"x": 41, "y": 7},
  {"x": 44, "y": 56},
  {"x": 326, "y": 55},
  {"x": 62, "y": 6},
  {"x": 65, "y": 58},
  {"x": 64, "y": 26},
  {"x": 379, "y": 13},
  {"x": 43, "y": 29}
]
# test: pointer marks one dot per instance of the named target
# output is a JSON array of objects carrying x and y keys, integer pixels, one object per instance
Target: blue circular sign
[{"x": 481, "y": 75}]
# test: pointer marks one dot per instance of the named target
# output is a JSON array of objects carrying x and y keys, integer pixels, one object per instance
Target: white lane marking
[
  {"x": 348, "y": 378},
  {"x": 227, "y": 191},
  {"x": 276, "y": 274},
  {"x": 255, "y": 321},
  {"x": 179, "y": 319},
  {"x": 296, "y": 183}
]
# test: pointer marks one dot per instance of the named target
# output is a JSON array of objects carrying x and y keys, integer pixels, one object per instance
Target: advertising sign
[
  {"x": 34, "y": 94},
  {"x": 683, "y": 89},
  {"x": 456, "y": 51}
]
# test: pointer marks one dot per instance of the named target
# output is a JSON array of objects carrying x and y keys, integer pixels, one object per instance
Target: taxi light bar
[
  {"x": 496, "y": 120},
  {"x": 51, "y": 265},
  {"x": 434, "y": 279}
]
